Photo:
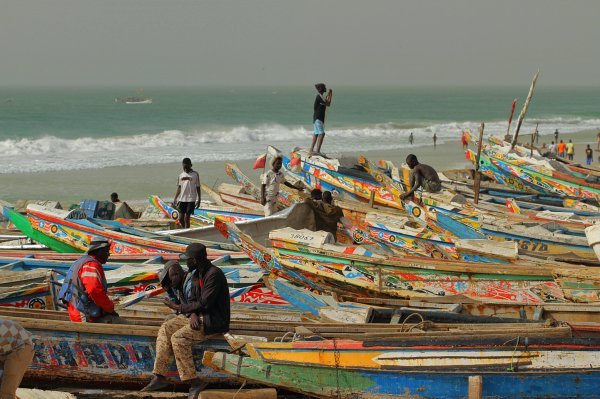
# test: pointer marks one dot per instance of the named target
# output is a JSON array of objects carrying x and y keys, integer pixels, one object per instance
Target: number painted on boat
[{"x": 532, "y": 246}]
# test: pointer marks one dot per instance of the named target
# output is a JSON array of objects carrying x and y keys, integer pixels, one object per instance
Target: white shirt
[
  {"x": 189, "y": 183},
  {"x": 272, "y": 180}
]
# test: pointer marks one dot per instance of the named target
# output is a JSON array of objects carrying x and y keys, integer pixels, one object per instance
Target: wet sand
[{"x": 138, "y": 182}]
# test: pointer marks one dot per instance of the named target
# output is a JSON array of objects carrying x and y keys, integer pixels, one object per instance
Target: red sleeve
[{"x": 91, "y": 278}]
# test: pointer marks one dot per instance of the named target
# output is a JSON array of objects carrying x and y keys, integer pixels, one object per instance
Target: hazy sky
[{"x": 278, "y": 42}]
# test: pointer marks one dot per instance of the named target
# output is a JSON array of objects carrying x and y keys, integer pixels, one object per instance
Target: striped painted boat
[{"x": 425, "y": 382}]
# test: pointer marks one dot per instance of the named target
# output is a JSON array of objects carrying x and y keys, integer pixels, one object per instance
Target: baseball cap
[
  {"x": 164, "y": 272},
  {"x": 194, "y": 251},
  {"x": 98, "y": 243}
]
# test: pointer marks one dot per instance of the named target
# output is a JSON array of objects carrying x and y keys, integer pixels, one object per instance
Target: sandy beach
[{"x": 137, "y": 182}]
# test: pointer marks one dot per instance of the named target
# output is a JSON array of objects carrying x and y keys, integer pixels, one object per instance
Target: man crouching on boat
[
  {"x": 421, "y": 176},
  {"x": 85, "y": 290},
  {"x": 201, "y": 300}
]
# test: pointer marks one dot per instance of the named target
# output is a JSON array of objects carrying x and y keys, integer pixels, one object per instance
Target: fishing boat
[
  {"x": 356, "y": 270},
  {"x": 423, "y": 373},
  {"x": 134, "y": 100},
  {"x": 206, "y": 213},
  {"x": 73, "y": 235}
]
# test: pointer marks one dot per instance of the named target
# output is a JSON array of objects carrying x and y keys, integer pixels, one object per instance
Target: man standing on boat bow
[
  {"x": 201, "y": 301},
  {"x": 421, "y": 176}
]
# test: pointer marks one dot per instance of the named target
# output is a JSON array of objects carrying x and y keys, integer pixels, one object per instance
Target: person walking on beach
[
  {"x": 319, "y": 108},
  {"x": 434, "y": 140},
  {"x": 203, "y": 312},
  {"x": 553, "y": 150},
  {"x": 570, "y": 150},
  {"x": 421, "y": 176},
  {"x": 589, "y": 155},
  {"x": 598, "y": 141},
  {"x": 556, "y": 135},
  {"x": 188, "y": 193},
  {"x": 85, "y": 289},
  {"x": 561, "y": 149},
  {"x": 269, "y": 189},
  {"x": 411, "y": 138},
  {"x": 464, "y": 141},
  {"x": 16, "y": 353}
]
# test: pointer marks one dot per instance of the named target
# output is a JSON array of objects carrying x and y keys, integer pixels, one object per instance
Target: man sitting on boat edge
[
  {"x": 203, "y": 313},
  {"x": 85, "y": 289},
  {"x": 421, "y": 176}
]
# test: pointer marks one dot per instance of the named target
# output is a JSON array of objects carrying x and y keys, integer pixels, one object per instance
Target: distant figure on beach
[
  {"x": 589, "y": 155},
  {"x": 319, "y": 108},
  {"x": 201, "y": 301},
  {"x": 570, "y": 150},
  {"x": 556, "y": 135},
  {"x": 598, "y": 140},
  {"x": 411, "y": 138},
  {"x": 188, "y": 193},
  {"x": 434, "y": 140},
  {"x": 16, "y": 351},
  {"x": 114, "y": 197},
  {"x": 464, "y": 141},
  {"x": 553, "y": 150},
  {"x": 269, "y": 189},
  {"x": 421, "y": 176},
  {"x": 561, "y": 147},
  {"x": 85, "y": 289}
]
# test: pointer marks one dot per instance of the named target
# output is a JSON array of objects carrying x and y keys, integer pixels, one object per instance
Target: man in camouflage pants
[{"x": 201, "y": 301}]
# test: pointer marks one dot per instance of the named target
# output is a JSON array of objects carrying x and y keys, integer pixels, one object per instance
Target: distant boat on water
[
  {"x": 139, "y": 99},
  {"x": 134, "y": 100}
]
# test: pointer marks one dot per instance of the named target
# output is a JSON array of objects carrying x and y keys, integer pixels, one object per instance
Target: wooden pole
[
  {"x": 533, "y": 138},
  {"x": 512, "y": 111},
  {"x": 524, "y": 110},
  {"x": 477, "y": 177},
  {"x": 475, "y": 387},
  {"x": 372, "y": 199}
]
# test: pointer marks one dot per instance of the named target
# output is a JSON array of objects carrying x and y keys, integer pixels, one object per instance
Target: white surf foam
[{"x": 51, "y": 153}]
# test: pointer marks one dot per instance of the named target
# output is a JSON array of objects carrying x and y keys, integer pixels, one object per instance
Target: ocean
[{"x": 66, "y": 129}]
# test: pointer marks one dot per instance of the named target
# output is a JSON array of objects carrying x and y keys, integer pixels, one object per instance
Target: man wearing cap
[
  {"x": 85, "y": 289},
  {"x": 188, "y": 193},
  {"x": 203, "y": 311},
  {"x": 319, "y": 108}
]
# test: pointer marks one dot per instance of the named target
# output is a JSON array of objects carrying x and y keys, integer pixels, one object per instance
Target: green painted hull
[{"x": 22, "y": 223}]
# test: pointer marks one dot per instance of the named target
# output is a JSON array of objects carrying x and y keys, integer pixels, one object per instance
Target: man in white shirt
[
  {"x": 269, "y": 188},
  {"x": 188, "y": 193}
]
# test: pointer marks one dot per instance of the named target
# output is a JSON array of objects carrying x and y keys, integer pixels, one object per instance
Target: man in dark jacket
[{"x": 203, "y": 313}]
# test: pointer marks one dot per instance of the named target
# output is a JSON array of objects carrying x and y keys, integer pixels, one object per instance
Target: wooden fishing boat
[
  {"x": 206, "y": 214},
  {"x": 593, "y": 238},
  {"x": 344, "y": 268},
  {"x": 421, "y": 381},
  {"x": 541, "y": 352},
  {"x": 285, "y": 198},
  {"x": 234, "y": 195},
  {"x": 347, "y": 183},
  {"x": 75, "y": 234}
]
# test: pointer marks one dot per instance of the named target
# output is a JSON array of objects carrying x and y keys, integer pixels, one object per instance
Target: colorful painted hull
[
  {"x": 410, "y": 277},
  {"x": 318, "y": 176},
  {"x": 451, "y": 353},
  {"x": 85, "y": 353},
  {"x": 339, "y": 382},
  {"x": 78, "y": 233},
  {"x": 23, "y": 224},
  {"x": 204, "y": 215}
]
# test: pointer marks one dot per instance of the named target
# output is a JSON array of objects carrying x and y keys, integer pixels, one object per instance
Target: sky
[{"x": 280, "y": 42}]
